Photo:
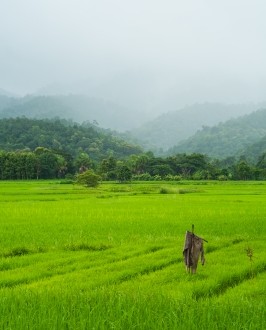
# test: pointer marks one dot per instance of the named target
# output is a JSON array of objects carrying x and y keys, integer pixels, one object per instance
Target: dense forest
[
  {"x": 64, "y": 136},
  {"x": 42, "y": 149},
  {"x": 152, "y": 133},
  {"x": 236, "y": 137},
  {"x": 170, "y": 128},
  {"x": 43, "y": 163}
]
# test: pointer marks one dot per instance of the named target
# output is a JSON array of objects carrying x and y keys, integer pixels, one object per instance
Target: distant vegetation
[
  {"x": 77, "y": 108},
  {"x": 170, "y": 128},
  {"x": 63, "y": 136},
  {"x": 158, "y": 135},
  {"x": 46, "y": 149},
  {"x": 6, "y": 102},
  {"x": 59, "y": 148},
  {"x": 34, "y": 148},
  {"x": 257, "y": 149},
  {"x": 245, "y": 135}
]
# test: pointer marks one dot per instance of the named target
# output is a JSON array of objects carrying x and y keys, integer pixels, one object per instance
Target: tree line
[{"x": 44, "y": 163}]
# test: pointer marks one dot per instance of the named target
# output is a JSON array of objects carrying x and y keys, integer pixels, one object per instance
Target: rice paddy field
[{"x": 111, "y": 257}]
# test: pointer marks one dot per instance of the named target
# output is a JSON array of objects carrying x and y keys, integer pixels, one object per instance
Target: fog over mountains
[
  {"x": 156, "y": 71},
  {"x": 144, "y": 55},
  {"x": 244, "y": 135},
  {"x": 216, "y": 129},
  {"x": 169, "y": 129},
  {"x": 75, "y": 107}
]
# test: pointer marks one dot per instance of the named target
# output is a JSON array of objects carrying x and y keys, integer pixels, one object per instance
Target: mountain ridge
[
  {"x": 169, "y": 129},
  {"x": 234, "y": 137},
  {"x": 79, "y": 108}
]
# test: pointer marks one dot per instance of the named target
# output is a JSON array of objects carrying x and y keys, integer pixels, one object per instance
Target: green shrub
[
  {"x": 88, "y": 179},
  {"x": 165, "y": 190},
  {"x": 142, "y": 177}
]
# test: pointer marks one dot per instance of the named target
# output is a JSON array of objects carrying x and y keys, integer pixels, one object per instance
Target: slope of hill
[
  {"x": 76, "y": 107},
  {"x": 230, "y": 138},
  {"x": 169, "y": 129},
  {"x": 35, "y": 107},
  {"x": 6, "y": 102},
  {"x": 23, "y": 133},
  {"x": 254, "y": 151},
  {"x": 6, "y": 93}
]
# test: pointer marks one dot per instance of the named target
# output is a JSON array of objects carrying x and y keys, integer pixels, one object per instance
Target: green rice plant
[
  {"x": 17, "y": 251},
  {"x": 87, "y": 247},
  {"x": 166, "y": 190},
  {"x": 111, "y": 257}
]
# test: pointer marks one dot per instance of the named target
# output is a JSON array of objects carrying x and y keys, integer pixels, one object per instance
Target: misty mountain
[
  {"x": 254, "y": 151},
  {"x": 170, "y": 128},
  {"x": 6, "y": 101},
  {"x": 6, "y": 93},
  {"x": 76, "y": 107},
  {"x": 231, "y": 138},
  {"x": 132, "y": 89}
]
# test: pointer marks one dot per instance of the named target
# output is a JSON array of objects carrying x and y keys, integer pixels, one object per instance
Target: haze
[{"x": 147, "y": 54}]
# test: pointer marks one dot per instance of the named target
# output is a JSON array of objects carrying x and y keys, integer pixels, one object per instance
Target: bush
[
  {"x": 142, "y": 177},
  {"x": 164, "y": 190},
  {"x": 222, "y": 177},
  {"x": 171, "y": 177},
  {"x": 69, "y": 176},
  {"x": 88, "y": 179}
]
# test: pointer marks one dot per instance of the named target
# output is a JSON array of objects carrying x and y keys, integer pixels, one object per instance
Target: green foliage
[
  {"x": 63, "y": 136},
  {"x": 142, "y": 177},
  {"x": 40, "y": 164},
  {"x": 107, "y": 168},
  {"x": 79, "y": 148},
  {"x": 170, "y": 128},
  {"x": 170, "y": 177},
  {"x": 262, "y": 161},
  {"x": 243, "y": 171},
  {"x": 88, "y": 179},
  {"x": 233, "y": 137},
  {"x": 82, "y": 162},
  {"x": 47, "y": 164},
  {"x": 123, "y": 173},
  {"x": 167, "y": 190}
]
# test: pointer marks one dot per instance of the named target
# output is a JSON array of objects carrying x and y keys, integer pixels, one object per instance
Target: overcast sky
[{"x": 187, "y": 50}]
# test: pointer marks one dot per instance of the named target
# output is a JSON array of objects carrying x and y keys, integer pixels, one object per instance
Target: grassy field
[{"x": 111, "y": 257}]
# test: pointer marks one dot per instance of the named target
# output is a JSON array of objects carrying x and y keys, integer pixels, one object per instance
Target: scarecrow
[{"x": 193, "y": 249}]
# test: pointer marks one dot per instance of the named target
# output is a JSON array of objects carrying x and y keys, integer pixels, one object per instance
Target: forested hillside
[
  {"x": 234, "y": 137},
  {"x": 43, "y": 149},
  {"x": 254, "y": 151},
  {"x": 161, "y": 133},
  {"x": 24, "y": 133},
  {"x": 6, "y": 102},
  {"x": 170, "y": 128},
  {"x": 75, "y": 107}
]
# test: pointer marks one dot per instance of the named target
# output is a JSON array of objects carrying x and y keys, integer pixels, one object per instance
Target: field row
[
  {"x": 111, "y": 257},
  {"x": 114, "y": 266}
]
